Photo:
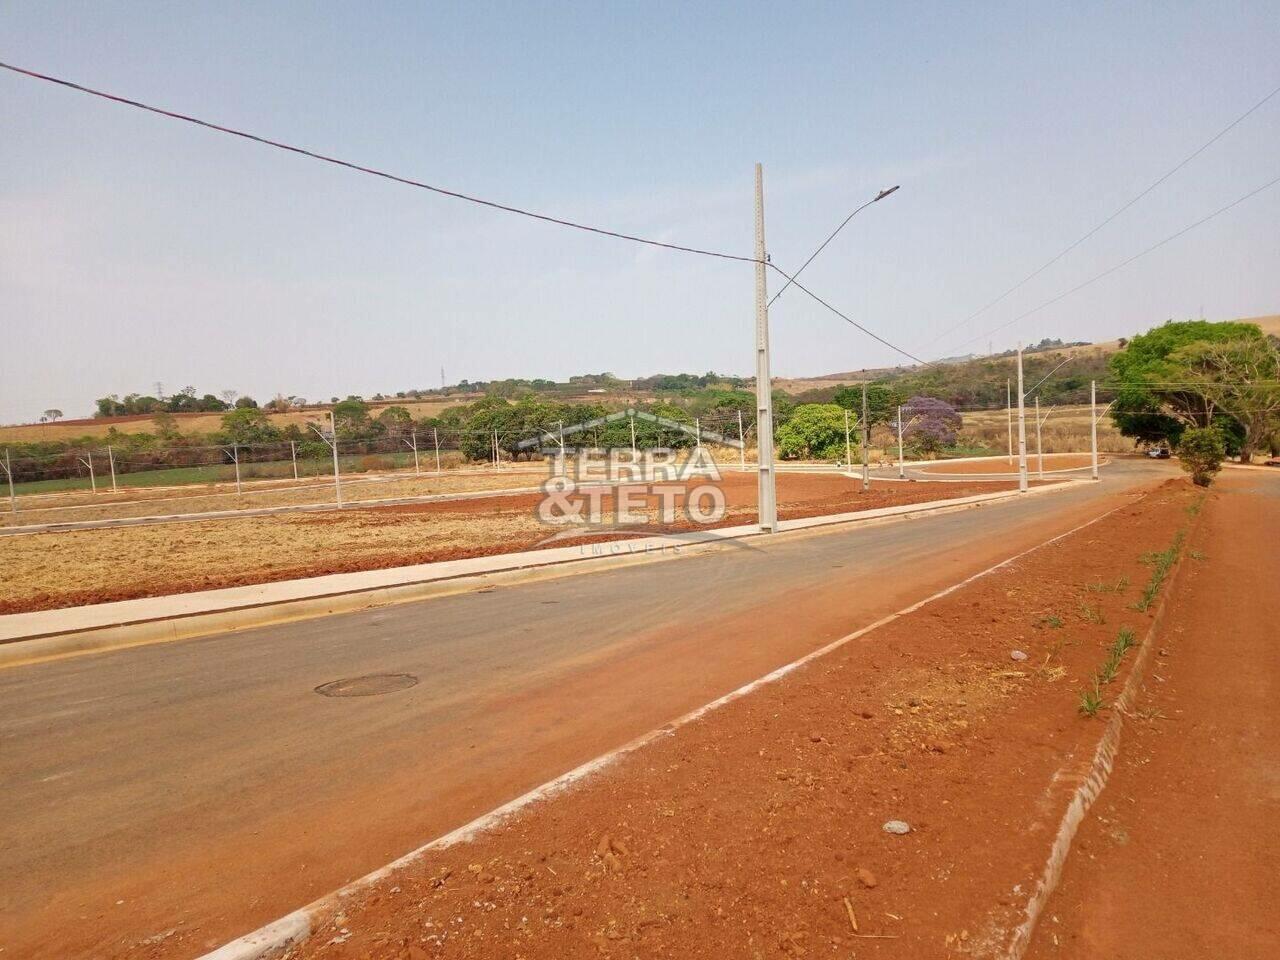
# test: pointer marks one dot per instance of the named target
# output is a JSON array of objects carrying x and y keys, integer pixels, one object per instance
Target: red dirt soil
[
  {"x": 799, "y": 495},
  {"x": 1180, "y": 857},
  {"x": 756, "y": 830}
]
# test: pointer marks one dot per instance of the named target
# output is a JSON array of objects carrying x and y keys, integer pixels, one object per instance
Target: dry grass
[
  {"x": 203, "y": 422},
  {"x": 73, "y": 507}
]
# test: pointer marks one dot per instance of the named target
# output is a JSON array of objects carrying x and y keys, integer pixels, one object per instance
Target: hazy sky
[{"x": 135, "y": 249}]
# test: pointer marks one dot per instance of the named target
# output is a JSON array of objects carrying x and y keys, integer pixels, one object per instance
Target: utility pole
[
  {"x": 87, "y": 460},
  {"x": 866, "y": 442},
  {"x": 337, "y": 474},
  {"x": 413, "y": 440},
  {"x": 435, "y": 433},
  {"x": 902, "y": 472},
  {"x": 1022, "y": 429},
  {"x": 848, "y": 449},
  {"x": 767, "y": 492},
  {"x": 111, "y": 459},
  {"x": 8, "y": 472},
  {"x": 742, "y": 446},
  {"x": 1039, "y": 448},
  {"x": 1008, "y": 404},
  {"x": 1093, "y": 425}
]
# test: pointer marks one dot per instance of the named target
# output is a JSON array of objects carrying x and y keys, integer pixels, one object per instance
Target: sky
[{"x": 136, "y": 249}]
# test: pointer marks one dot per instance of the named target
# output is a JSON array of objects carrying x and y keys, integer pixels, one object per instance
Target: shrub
[
  {"x": 814, "y": 432},
  {"x": 1200, "y": 451}
]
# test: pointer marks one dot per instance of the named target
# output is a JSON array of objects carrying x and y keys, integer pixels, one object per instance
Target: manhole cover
[{"x": 371, "y": 685}]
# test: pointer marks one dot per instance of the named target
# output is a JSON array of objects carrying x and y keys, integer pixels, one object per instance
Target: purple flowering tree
[{"x": 929, "y": 424}]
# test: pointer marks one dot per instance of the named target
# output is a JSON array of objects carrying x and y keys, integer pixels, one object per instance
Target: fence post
[
  {"x": 293, "y": 455},
  {"x": 93, "y": 480},
  {"x": 435, "y": 433},
  {"x": 414, "y": 436},
  {"x": 742, "y": 446},
  {"x": 866, "y": 442},
  {"x": 235, "y": 455},
  {"x": 111, "y": 458}
]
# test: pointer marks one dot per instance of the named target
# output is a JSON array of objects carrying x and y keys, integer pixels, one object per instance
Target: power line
[
  {"x": 1123, "y": 263},
  {"x": 822, "y": 246},
  {"x": 1048, "y": 263},
  {"x": 792, "y": 281},
  {"x": 407, "y": 181}
]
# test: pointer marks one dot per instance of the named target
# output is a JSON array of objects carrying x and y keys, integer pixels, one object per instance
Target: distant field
[{"x": 204, "y": 422}]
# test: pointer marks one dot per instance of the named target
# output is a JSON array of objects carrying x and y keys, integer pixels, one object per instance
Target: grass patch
[
  {"x": 1161, "y": 563},
  {"x": 1053, "y": 621},
  {"x": 1118, "y": 587},
  {"x": 1091, "y": 614},
  {"x": 1090, "y": 702}
]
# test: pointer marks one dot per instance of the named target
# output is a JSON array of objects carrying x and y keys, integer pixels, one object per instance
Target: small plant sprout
[
  {"x": 1091, "y": 614},
  {"x": 1053, "y": 621},
  {"x": 1160, "y": 563},
  {"x": 1091, "y": 702}
]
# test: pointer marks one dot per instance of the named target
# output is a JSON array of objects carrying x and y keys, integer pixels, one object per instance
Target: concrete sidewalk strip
[{"x": 46, "y": 634}]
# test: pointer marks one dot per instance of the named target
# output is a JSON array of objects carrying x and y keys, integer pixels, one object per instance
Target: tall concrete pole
[
  {"x": 902, "y": 471},
  {"x": 866, "y": 443},
  {"x": 8, "y": 472},
  {"x": 1093, "y": 424},
  {"x": 848, "y": 447},
  {"x": 742, "y": 446},
  {"x": 767, "y": 490},
  {"x": 1039, "y": 448},
  {"x": 1022, "y": 429},
  {"x": 1008, "y": 405},
  {"x": 337, "y": 473}
]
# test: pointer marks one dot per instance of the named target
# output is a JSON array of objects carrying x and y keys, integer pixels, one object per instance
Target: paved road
[{"x": 188, "y": 792}]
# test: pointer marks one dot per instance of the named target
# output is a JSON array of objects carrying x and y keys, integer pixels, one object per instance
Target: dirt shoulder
[
  {"x": 50, "y": 570},
  {"x": 757, "y": 830},
  {"x": 1180, "y": 858}
]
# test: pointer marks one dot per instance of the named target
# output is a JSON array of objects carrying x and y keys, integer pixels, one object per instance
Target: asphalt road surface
[{"x": 184, "y": 793}]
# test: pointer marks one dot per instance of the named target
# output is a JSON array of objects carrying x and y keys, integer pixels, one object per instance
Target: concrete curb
[
  {"x": 54, "y": 634},
  {"x": 1092, "y": 782},
  {"x": 299, "y": 925}
]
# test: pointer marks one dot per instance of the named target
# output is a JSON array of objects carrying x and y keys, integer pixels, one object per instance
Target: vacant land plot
[
  {"x": 74, "y": 507},
  {"x": 1065, "y": 430},
  {"x": 92, "y": 566}
]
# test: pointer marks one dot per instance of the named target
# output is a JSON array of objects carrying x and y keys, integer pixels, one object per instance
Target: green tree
[
  {"x": 396, "y": 421},
  {"x": 883, "y": 401},
  {"x": 1200, "y": 453},
  {"x": 1242, "y": 377},
  {"x": 1154, "y": 403},
  {"x": 248, "y": 425},
  {"x": 815, "y": 431}
]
